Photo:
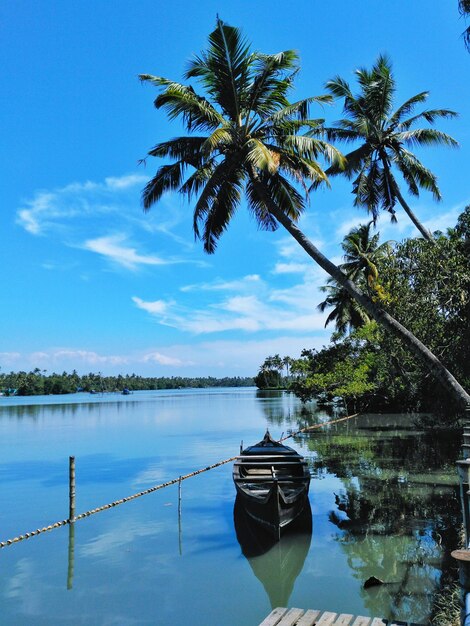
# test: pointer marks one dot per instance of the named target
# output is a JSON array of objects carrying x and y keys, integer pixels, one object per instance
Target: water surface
[{"x": 383, "y": 501}]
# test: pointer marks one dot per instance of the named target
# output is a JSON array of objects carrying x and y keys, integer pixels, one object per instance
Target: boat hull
[{"x": 272, "y": 482}]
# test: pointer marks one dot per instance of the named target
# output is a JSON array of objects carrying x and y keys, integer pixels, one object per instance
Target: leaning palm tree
[
  {"x": 385, "y": 136},
  {"x": 250, "y": 142}
]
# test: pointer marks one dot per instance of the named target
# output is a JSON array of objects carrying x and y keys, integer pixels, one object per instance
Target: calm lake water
[{"x": 384, "y": 503}]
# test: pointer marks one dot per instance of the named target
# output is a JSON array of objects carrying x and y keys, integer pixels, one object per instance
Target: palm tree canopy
[
  {"x": 346, "y": 313},
  {"x": 386, "y": 137},
  {"x": 242, "y": 128},
  {"x": 362, "y": 253}
]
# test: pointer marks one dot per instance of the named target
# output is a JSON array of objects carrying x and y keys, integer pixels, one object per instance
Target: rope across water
[{"x": 33, "y": 533}]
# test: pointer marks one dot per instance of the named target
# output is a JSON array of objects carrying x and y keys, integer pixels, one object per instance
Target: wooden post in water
[
  {"x": 71, "y": 556},
  {"x": 180, "y": 543},
  {"x": 71, "y": 489},
  {"x": 71, "y": 520}
]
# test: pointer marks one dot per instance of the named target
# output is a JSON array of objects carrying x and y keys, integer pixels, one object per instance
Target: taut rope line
[{"x": 64, "y": 522}]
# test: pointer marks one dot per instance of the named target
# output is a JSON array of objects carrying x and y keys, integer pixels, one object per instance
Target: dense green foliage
[
  {"x": 425, "y": 285},
  {"x": 38, "y": 383}
]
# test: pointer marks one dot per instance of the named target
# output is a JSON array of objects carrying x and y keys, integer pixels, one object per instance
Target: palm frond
[
  {"x": 187, "y": 149},
  {"x": 224, "y": 69},
  {"x": 430, "y": 117},
  {"x": 167, "y": 178},
  {"x": 287, "y": 198},
  {"x": 217, "y": 202},
  {"x": 416, "y": 174},
  {"x": 407, "y": 107},
  {"x": 217, "y": 141},
  {"x": 195, "y": 183},
  {"x": 339, "y": 88},
  {"x": 260, "y": 156},
  {"x": 257, "y": 206},
  {"x": 182, "y": 101},
  {"x": 426, "y": 137},
  {"x": 271, "y": 83},
  {"x": 367, "y": 188}
]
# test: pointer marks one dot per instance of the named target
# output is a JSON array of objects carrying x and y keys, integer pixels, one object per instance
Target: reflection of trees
[
  {"x": 398, "y": 516},
  {"x": 282, "y": 408}
]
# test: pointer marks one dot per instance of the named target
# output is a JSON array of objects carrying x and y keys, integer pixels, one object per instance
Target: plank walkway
[{"x": 300, "y": 617}]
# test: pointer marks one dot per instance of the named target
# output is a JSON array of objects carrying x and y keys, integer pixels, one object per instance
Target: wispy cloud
[
  {"x": 249, "y": 282},
  {"x": 163, "y": 359},
  {"x": 93, "y": 216},
  {"x": 278, "y": 311},
  {"x": 157, "y": 307},
  {"x": 114, "y": 249}
]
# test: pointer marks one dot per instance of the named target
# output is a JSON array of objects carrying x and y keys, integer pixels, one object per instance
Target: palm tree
[
  {"x": 346, "y": 313},
  {"x": 252, "y": 144},
  {"x": 385, "y": 136},
  {"x": 464, "y": 8},
  {"x": 361, "y": 254}
]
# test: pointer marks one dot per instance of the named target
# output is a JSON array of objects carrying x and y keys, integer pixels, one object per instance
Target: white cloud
[
  {"x": 162, "y": 359},
  {"x": 249, "y": 282},
  {"x": 73, "y": 358},
  {"x": 157, "y": 307},
  {"x": 112, "y": 248},
  {"x": 290, "y": 309},
  {"x": 9, "y": 358},
  {"x": 124, "y": 182},
  {"x": 49, "y": 210},
  {"x": 291, "y": 268}
]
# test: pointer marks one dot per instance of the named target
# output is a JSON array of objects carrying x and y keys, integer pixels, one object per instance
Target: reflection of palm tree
[
  {"x": 252, "y": 143},
  {"x": 385, "y": 135}
]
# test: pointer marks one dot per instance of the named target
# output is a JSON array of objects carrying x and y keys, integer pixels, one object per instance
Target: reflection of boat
[
  {"x": 272, "y": 481},
  {"x": 276, "y": 564}
]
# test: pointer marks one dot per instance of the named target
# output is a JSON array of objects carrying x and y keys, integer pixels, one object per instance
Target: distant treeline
[{"x": 38, "y": 383}]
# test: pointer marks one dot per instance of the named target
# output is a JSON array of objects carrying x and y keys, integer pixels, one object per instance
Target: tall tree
[
  {"x": 386, "y": 136},
  {"x": 252, "y": 143}
]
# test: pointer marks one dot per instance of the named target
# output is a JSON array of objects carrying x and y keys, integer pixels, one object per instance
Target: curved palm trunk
[
  {"x": 427, "y": 234},
  {"x": 435, "y": 367}
]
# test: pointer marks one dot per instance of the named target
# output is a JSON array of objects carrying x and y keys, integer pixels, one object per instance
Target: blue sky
[{"x": 91, "y": 282}]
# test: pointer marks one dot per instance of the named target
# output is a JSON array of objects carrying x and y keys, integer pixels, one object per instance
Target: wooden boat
[{"x": 272, "y": 481}]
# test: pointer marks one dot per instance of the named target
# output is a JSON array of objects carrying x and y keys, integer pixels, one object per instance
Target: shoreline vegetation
[
  {"x": 425, "y": 284},
  {"x": 37, "y": 382}
]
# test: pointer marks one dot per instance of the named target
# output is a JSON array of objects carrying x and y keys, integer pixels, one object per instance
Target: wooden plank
[
  {"x": 344, "y": 619},
  {"x": 291, "y": 617},
  {"x": 327, "y": 619},
  {"x": 274, "y": 617},
  {"x": 308, "y": 618},
  {"x": 361, "y": 621},
  {"x": 378, "y": 621}
]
